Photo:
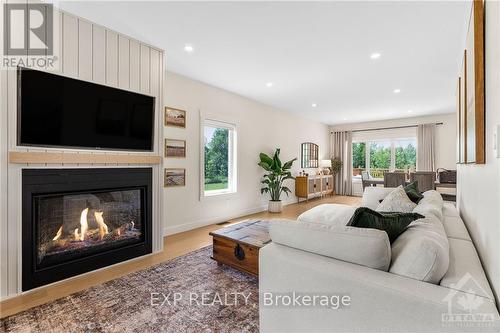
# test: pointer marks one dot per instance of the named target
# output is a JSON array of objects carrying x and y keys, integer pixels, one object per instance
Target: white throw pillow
[
  {"x": 367, "y": 247},
  {"x": 373, "y": 195},
  {"x": 331, "y": 214},
  {"x": 422, "y": 251},
  {"x": 430, "y": 205},
  {"x": 397, "y": 201}
]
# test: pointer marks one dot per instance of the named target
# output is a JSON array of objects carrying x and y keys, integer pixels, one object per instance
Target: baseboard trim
[{"x": 168, "y": 231}]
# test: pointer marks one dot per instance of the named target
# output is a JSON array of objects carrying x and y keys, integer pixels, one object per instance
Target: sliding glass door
[{"x": 379, "y": 156}]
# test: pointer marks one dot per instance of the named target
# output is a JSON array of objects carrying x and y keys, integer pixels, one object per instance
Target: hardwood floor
[{"x": 174, "y": 246}]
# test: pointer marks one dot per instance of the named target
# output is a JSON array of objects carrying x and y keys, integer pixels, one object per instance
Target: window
[
  {"x": 218, "y": 158},
  {"x": 406, "y": 154},
  {"x": 379, "y": 156}
]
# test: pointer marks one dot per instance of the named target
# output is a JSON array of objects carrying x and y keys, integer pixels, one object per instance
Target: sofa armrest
[{"x": 380, "y": 301}]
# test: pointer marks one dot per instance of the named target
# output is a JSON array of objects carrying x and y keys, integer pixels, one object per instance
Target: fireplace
[{"x": 78, "y": 220}]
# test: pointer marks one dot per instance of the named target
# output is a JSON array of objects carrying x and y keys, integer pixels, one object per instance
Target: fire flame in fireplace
[
  {"x": 81, "y": 233},
  {"x": 58, "y": 235}
]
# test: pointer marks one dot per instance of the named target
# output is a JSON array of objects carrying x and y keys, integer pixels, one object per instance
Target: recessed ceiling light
[
  {"x": 188, "y": 48},
  {"x": 375, "y": 55},
  {"x": 269, "y": 84},
  {"x": 345, "y": 118},
  {"x": 410, "y": 111},
  {"x": 396, "y": 91},
  {"x": 314, "y": 105}
]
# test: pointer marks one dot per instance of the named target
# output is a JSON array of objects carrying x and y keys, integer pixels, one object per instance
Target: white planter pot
[{"x": 275, "y": 206}]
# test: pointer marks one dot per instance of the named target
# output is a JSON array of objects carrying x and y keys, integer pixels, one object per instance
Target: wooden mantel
[{"x": 22, "y": 157}]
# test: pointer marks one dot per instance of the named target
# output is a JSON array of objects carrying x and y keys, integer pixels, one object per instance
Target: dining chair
[
  {"x": 394, "y": 179},
  {"x": 426, "y": 180},
  {"x": 365, "y": 175}
]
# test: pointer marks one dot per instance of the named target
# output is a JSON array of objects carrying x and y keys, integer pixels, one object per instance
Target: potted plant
[
  {"x": 277, "y": 173},
  {"x": 336, "y": 167}
]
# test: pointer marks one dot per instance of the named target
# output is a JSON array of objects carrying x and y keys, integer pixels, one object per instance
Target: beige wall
[
  {"x": 479, "y": 185},
  {"x": 445, "y": 134},
  {"x": 260, "y": 128}
]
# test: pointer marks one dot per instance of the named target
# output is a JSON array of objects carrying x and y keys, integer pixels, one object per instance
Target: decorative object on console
[
  {"x": 175, "y": 148},
  {"x": 175, "y": 117},
  {"x": 326, "y": 165},
  {"x": 273, "y": 180},
  {"x": 391, "y": 222},
  {"x": 174, "y": 177},
  {"x": 309, "y": 155}
]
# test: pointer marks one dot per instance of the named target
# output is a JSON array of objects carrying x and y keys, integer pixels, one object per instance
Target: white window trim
[{"x": 232, "y": 158}]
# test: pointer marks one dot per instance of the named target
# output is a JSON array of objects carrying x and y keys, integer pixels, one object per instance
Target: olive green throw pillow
[
  {"x": 412, "y": 192},
  {"x": 394, "y": 224}
]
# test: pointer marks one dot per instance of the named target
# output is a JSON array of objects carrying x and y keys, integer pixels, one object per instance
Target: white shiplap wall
[{"x": 93, "y": 53}]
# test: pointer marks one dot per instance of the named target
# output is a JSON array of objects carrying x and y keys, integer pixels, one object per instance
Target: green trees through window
[
  {"x": 384, "y": 155},
  {"x": 406, "y": 154},
  {"x": 216, "y": 158},
  {"x": 359, "y": 155}
]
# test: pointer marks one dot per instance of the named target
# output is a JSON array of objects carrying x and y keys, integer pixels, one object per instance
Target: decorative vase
[{"x": 275, "y": 206}]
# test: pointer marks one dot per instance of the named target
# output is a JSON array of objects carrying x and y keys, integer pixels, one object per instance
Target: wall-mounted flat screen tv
[{"x": 58, "y": 111}]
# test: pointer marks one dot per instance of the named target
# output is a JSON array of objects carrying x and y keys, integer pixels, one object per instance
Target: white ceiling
[{"x": 313, "y": 52}]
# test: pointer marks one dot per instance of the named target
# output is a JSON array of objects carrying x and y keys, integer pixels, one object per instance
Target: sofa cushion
[
  {"x": 455, "y": 228},
  {"x": 332, "y": 214},
  {"x": 431, "y": 204},
  {"x": 422, "y": 251},
  {"x": 396, "y": 201},
  {"x": 412, "y": 192},
  {"x": 392, "y": 223},
  {"x": 367, "y": 247},
  {"x": 449, "y": 209},
  {"x": 373, "y": 195},
  {"x": 465, "y": 272}
]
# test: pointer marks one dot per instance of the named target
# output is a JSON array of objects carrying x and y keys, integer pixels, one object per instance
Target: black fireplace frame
[{"x": 69, "y": 181}]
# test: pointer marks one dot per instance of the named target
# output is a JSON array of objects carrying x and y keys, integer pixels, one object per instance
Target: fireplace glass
[{"x": 76, "y": 225}]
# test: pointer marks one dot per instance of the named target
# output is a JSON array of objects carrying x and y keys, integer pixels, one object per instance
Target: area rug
[{"x": 187, "y": 294}]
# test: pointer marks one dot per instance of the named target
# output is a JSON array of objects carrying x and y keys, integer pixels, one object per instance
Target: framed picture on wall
[
  {"x": 473, "y": 95},
  {"x": 462, "y": 120},
  {"x": 175, "y": 148},
  {"x": 174, "y": 177},
  {"x": 459, "y": 128},
  {"x": 175, "y": 117}
]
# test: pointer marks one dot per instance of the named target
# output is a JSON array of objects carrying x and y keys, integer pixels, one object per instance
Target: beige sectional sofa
[{"x": 300, "y": 262}]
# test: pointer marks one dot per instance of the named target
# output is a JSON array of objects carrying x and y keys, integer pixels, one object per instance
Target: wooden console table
[{"x": 313, "y": 186}]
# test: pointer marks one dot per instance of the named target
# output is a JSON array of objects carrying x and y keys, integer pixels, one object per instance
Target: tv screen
[{"x": 57, "y": 111}]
